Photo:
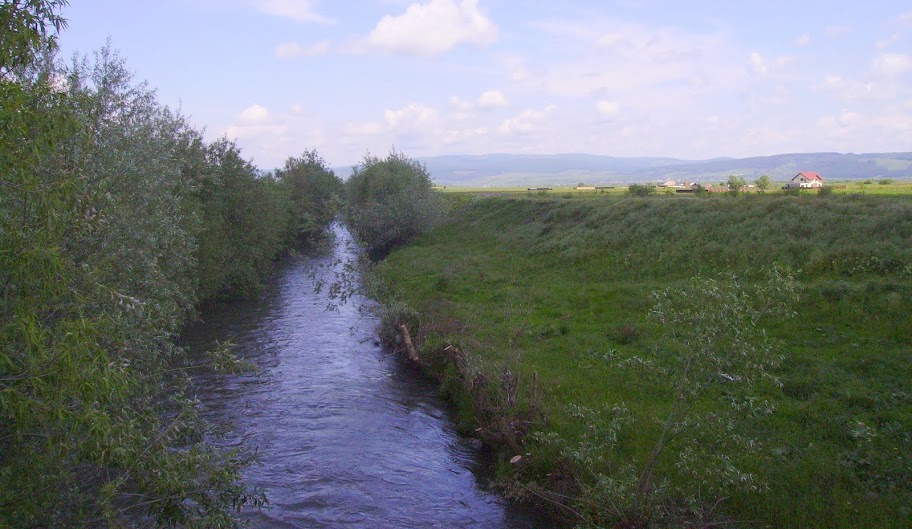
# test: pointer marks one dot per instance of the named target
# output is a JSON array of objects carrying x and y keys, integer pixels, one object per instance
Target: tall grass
[{"x": 559, "y": 291}]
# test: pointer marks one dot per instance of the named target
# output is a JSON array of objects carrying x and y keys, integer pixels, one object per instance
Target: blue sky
[{"x": 695, "y": 79}]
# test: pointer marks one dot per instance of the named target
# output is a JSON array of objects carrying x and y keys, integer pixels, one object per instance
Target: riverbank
[{"x": 545, "y": 304}]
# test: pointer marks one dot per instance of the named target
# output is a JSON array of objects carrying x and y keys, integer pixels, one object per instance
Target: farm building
[{"x": 806, "y": 180}]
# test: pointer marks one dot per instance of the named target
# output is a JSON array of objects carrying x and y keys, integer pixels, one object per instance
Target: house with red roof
[{"x": 806, "y": 180}]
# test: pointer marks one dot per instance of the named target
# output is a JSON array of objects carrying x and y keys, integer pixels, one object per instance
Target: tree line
[{"x": 117, "y": 219}]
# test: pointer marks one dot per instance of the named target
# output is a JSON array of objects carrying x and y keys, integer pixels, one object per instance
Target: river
[{"x": 348, "y": 434}]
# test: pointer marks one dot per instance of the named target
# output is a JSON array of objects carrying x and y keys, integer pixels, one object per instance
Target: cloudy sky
[{"x": 695, "y": 79}]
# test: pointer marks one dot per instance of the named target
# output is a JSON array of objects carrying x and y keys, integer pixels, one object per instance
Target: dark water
[{"x": 348, "y": 434}]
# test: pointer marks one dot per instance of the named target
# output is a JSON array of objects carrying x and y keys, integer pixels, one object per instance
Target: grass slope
[{"x": 548, "y": 287}]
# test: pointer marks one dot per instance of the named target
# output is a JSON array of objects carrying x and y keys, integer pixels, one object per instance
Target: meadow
[
  {"x": 844, "y": 187},
  {"x": 562, "y": 363}
]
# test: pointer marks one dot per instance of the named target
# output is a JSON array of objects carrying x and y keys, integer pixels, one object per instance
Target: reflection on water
[{"x": 348, "y": 435}]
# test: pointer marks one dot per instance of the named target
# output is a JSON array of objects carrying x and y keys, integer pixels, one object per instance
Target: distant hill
[{"x": 569, "y": 169}]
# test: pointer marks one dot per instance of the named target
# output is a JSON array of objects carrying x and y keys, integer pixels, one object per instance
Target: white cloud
[
  {"x": 848, "y": 124},
  {"x": 609, "y": 40},
  {"x": 299, "y": 10},
  {"x": 488, "y": 100},
  {"x": 803, "y": 40},
  {"x": 461, "y": 104},
  {"x": 256, "y": 125},
  {"x": 293, "y": 50},
  {"x": 368, "y": 128},
  {"x": 758, "y": 64},
  {"x": 527, "y": 121},
  {"x": 765, "y": 67},
  {"x": 414, "y": 116},
  {"x": 889, "y": 41},
  {"x": 452, "y": 136},
  {"x": 433, "y": 28},
  {"x": 893, "y": 64},
  {"x": 845, "y": 128},
  {"x": 655, "y": 60},
  {"x": 255, "y": 113},
  {"x": 515, "y": 64},
  {"x": 608, "y": 108},
  {"x": 492, "y": 99}
]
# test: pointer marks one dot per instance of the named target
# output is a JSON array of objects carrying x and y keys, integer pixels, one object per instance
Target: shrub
[
  {"x": 390, "y": 202},
  {"x": 735, "y": 184},
  {"x": 314, "y": 191},
  {"x": 641, "y": 190}
]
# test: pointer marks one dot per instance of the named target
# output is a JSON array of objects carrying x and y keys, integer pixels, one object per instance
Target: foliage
[
  {"x": 719, "y": 347},
  {"x": 763, "y": 183},
  {"x": 245, "y": 221},
  {"x": 735, "y": 184},
  {"x": 116, "y": 219},
  {"x": 720, "y": 352},
  {"x": 641, "y": 190},
  {"x": 390, "y": 202},
  {"x": 27, "y": 27},
  {"x": 314, "y": 190}
]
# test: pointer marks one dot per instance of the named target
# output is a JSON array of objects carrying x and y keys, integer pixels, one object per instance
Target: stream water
[{"x": 348, "y": 434}]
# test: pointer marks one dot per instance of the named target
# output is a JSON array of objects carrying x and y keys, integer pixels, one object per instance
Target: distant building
[{"x": 806, "y": 180}]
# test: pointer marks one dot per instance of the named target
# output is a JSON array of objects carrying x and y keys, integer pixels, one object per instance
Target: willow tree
[{"x": 390, "y": 201}]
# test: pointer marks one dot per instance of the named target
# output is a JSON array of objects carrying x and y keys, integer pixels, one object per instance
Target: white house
[{"x": 806, "y": 180}]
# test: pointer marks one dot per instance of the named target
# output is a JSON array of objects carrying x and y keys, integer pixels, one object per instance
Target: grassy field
[
  {"x": 854, "y": 187},
  {"x": 555, "y": 291}
]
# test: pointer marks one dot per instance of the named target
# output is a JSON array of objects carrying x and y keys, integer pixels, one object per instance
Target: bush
[
  {"x": 390, "y": 202},
  {"x": 641, "y": 190},
  {"x": 315, "y": 193},
  {"x": 116, "y": 219}
]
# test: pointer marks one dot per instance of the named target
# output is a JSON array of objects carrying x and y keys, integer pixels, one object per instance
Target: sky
[{"x": 692, "y": 80}]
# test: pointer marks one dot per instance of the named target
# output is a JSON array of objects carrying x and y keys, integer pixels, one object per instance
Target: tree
[
  {"x": 735, "y": 183},
  {"x": 97, "y": 268},
  {"x": 391, "y": 201},
  {"x": 314, "y": 190},
  {"x": 763, "y": 183},
  {"x": 26, "y": 28}
]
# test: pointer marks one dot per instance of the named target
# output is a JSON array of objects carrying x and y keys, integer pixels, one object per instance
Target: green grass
[
  {"x": 546, "y": 286},
  {"x": 519, "y": 191},
  {"x": 851, "y": 187}
]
